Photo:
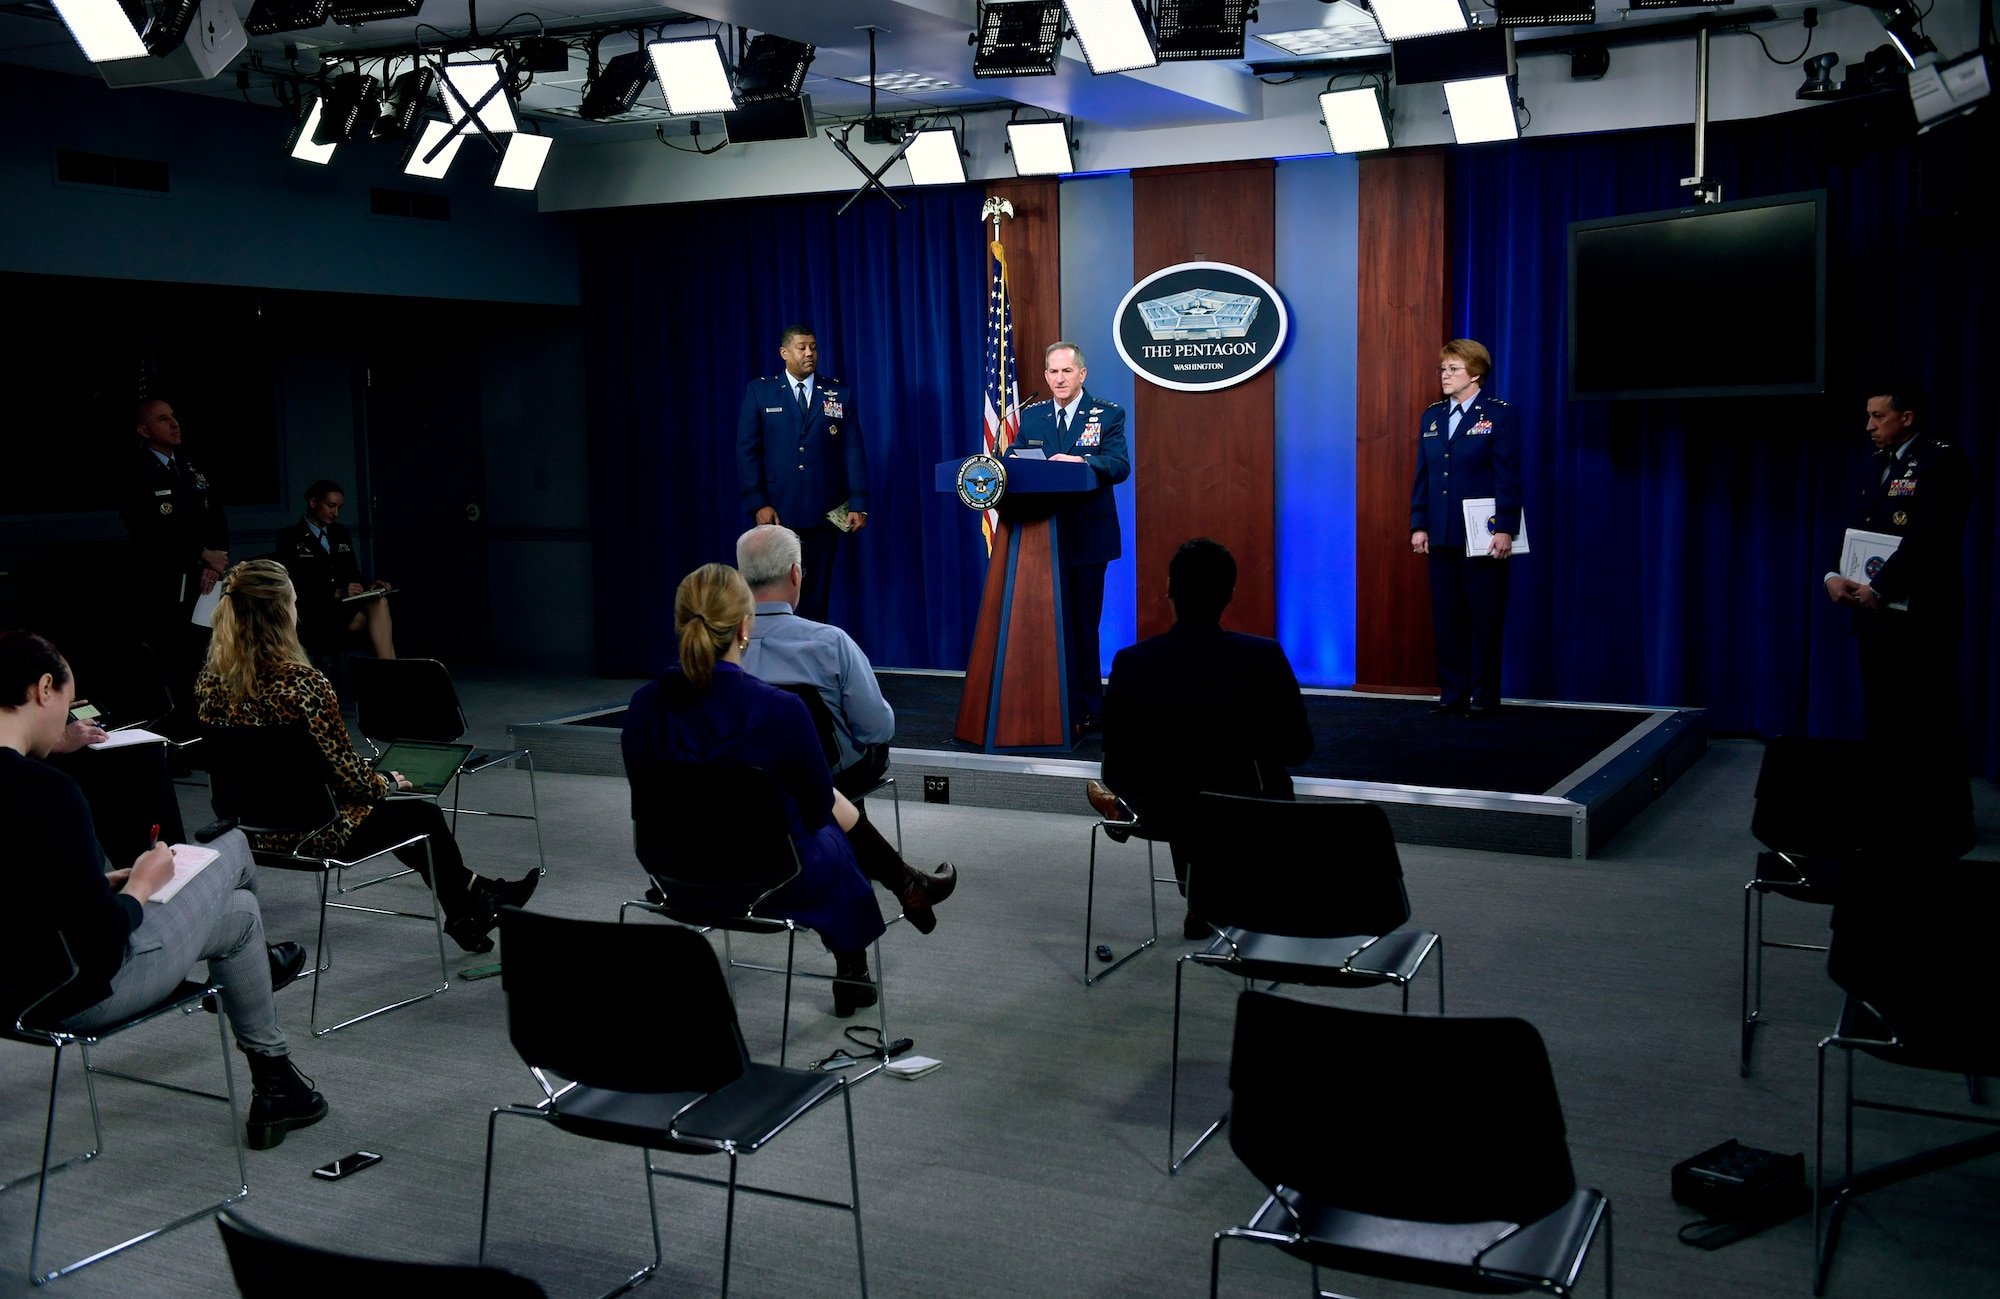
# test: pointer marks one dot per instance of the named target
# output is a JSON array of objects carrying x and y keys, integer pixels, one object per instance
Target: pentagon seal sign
[
  {"x": 1199, "y": 326},
  {"x": 982, "y": 481}
]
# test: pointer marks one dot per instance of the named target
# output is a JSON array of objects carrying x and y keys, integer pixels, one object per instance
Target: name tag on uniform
[
  {"x": 1902, "y": 487},
  {"x": 1483, "y": 426},
  {"x": 164, "y": 491},
  {"x": 774, "y": 410}
]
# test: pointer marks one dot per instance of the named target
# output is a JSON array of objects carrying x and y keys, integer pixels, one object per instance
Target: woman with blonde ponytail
[
  {"x": 258, "y": 675},
  {"x": 708, "y": 709}
]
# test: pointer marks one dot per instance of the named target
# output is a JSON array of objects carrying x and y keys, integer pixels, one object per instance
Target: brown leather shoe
[
  {"x": 920, "y": 892},
  {"x": 1108, "y": 805}
]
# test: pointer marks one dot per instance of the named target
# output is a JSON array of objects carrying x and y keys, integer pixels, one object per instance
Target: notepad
[
  {"x": 204, "y": 608},
  {"x": 128, "y": 736},
  {"x": 190, "y": 860},
  {"x": 913, "y": 1066}
]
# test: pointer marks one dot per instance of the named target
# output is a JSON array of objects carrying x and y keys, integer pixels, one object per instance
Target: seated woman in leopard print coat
[{"x": 258, "y": 675}]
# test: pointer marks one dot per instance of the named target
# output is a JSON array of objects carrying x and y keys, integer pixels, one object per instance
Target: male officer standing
[
  {"x": 1468, "y": 446},
  {"x": 1908, "y": 615},
  {"x": 799, "y": 457},
  {"x": 1073, "y": 425},
  {"x": 176, "y": 525}
]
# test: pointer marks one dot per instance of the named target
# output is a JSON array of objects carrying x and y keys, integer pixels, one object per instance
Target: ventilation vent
[
  {"x": 409, "y": 203},
  {"x": 78, "y": 168}
]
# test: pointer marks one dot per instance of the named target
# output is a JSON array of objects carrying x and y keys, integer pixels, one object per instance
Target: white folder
[
  {"x": 1479, "y": 537},
  {"x": 1861, "y": 552}
]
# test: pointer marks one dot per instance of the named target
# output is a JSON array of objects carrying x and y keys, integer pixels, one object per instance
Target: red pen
[{"x": 155, "y": 836}]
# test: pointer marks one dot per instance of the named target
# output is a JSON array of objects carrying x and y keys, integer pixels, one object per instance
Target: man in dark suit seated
[
  {"x": 1198, "y": 709},
  {"x": 319, "y": 554}
]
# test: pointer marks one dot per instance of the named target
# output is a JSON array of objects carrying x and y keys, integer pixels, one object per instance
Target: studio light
[
  {"x": 1040, "y": 148},
  {"x": 171, "y": 21},
  {"x": 933, "y": 157},
  {"x": 413, "y": 157},
  {"x": 1116, "y": 35},
  {"x": 1354, "y": 120},
  {"x": 302, "y": 144},
  {"x": 693, "y": 75},
  {"x": 772, "y": 69},
  {"x": 1454, "y": 56},
  {"x": 1545, "y": 13},
  {"x": 1402, "y": 19},
  {"x": 1942, "y": 91},
  {"x": 474, "y": 82},
  {"x": 616, "y": 87},
  {"x": 353, "y": 100},
  {"x": 352, "y": 13},
  {"x": 102, "y": 30},
  {"x": 401, "y": 105},
  {"x": 1018, "y": 39},
  {"x": 1201, "y": 29},
  {"x": 542, "y": 54},
  {"x": 268, "y": 17},
  {"x": 1482, "y": 110},
  {"x": 520, "y": 167},
  {"x": 1903, "y": 21}
]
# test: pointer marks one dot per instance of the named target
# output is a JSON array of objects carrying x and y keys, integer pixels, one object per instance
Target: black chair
[
  {"x": 1159, "y": 747},
  {"x": 716, "y": 842},
  {"x": 272, "y": 780},
  {"x": 1909, "y": 951},
  {"x": 414, "y": 699},
  {"x": 25, "y": 1028},
  {"x": 1456, "y": 1176},
  {"x": 1805, "y": 846},
  {"x": 681, "y": 1082},
  {"x": 271, "y": 1267},
  {"x": 829, "y": 743},
  {"x": 1308, "y": 893}
]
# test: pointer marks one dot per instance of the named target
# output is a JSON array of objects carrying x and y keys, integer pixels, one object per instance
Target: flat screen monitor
[{"x": 1722, "y": 300}]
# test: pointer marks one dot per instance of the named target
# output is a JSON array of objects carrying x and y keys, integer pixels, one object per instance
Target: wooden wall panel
[
  {"x": 1405, "y": 292},
  {"x": 1033, "y": 240},
  {"x": 1204, "y": 462}
]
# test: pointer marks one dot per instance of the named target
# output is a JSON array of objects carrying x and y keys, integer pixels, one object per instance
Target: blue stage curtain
[
  {"x": 684, "y": 305},
  {"x": 1679, "y": 545}
]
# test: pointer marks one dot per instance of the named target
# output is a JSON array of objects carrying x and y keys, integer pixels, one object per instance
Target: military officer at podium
[
  {"x": 1075, "y": 426},
  {"x": 1468, "y": 447},
  {"x": 800, "y": 461}
]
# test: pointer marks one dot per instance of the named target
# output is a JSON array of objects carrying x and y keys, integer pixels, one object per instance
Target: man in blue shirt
[
  {"x": 799, "y": 459},
  {"x": 787, "y": 649}
]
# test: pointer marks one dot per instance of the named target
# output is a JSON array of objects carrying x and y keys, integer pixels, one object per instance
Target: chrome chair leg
[
  {"x": 854, "y": 1188},
  {"x": 1091, "y": 978},
  {"x": 1174, "y": 1159}
]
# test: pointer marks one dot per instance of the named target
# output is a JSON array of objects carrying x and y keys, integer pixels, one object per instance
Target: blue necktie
[
  {"x": 1062, "y": 426},
  {"x": 1457, "y": 413}
]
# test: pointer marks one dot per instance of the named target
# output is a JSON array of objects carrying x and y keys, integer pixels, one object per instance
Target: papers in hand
[
  {"x": 204, "y": 608},
  {"x": 837, "y": 516},
  {"x": 189, "y": 861},
  {"x": 131, "y": 735},
  {"x": 1862, "y": 555},
  {"x": 1479, "y": 535}
]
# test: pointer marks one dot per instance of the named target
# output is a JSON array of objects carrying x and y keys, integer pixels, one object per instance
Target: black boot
[
  {"x": 288, "y": 961},
  {"x": 281, "y": 1099},
  {"x": 852, "y": 988},
  {"x": 917, "y": 891}
]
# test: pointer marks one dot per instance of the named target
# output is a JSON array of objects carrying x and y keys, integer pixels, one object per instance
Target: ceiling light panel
[
  {"x": 474, "y": 82},
  {"x": 934, "y": 158},
  {"x": 304, "y": 148},
  {"x": 1481, "y": 110},
  {"x": 1115, "y": 35},
  {"x": 905, "y": 83},
  {"x": 1040, "y": 148},
  {"x": 521, "y": 165},
  {"x": 1402, "y": 19},
  {"x": 434, "y": 131},
  {"x": 1354, "y": 120},
  {"x": 693, "y": 75},
  {"x": 101, "y": 29}
]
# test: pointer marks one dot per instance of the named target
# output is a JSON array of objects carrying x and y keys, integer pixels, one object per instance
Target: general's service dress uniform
[
  {"x": 803, "y": 461},
  {"x": 172, "y": 514},
  {"x": 1909, "y": 656},
  {"x": 1476, "y": 455},
  {"x": 1086, "y": 528}
]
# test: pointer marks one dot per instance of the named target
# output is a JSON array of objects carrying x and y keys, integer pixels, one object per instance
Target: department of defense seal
[{"x": 982, "y": 481}]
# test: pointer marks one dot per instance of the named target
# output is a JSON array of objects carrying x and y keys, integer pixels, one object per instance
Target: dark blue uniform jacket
[
  {"x": 1086, "y": 530},
  {"x": 1483, "y": 460},
  {"x": 801, "y": 463}
]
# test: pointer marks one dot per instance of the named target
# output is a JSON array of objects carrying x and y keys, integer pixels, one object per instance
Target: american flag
[{"x": 1002, "y": 395}]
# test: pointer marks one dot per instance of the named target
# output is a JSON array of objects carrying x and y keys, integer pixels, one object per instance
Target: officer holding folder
[{"x": 1468, "y": 447}]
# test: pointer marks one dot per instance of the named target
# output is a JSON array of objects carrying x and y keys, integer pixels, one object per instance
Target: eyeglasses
[{"x": 1453, "y": 368}]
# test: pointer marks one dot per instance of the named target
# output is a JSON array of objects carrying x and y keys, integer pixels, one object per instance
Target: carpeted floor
[{"x": 1034, "y": 1161}]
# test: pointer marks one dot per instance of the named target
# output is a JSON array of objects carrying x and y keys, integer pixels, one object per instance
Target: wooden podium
[{"x": 1016, "y": 696}]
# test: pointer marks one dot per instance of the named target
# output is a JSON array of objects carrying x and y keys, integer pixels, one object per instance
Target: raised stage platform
[{"x": 1546, "y": 779}]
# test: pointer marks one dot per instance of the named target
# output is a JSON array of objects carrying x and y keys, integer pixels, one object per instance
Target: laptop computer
[{"x": 428, "y": 767}]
